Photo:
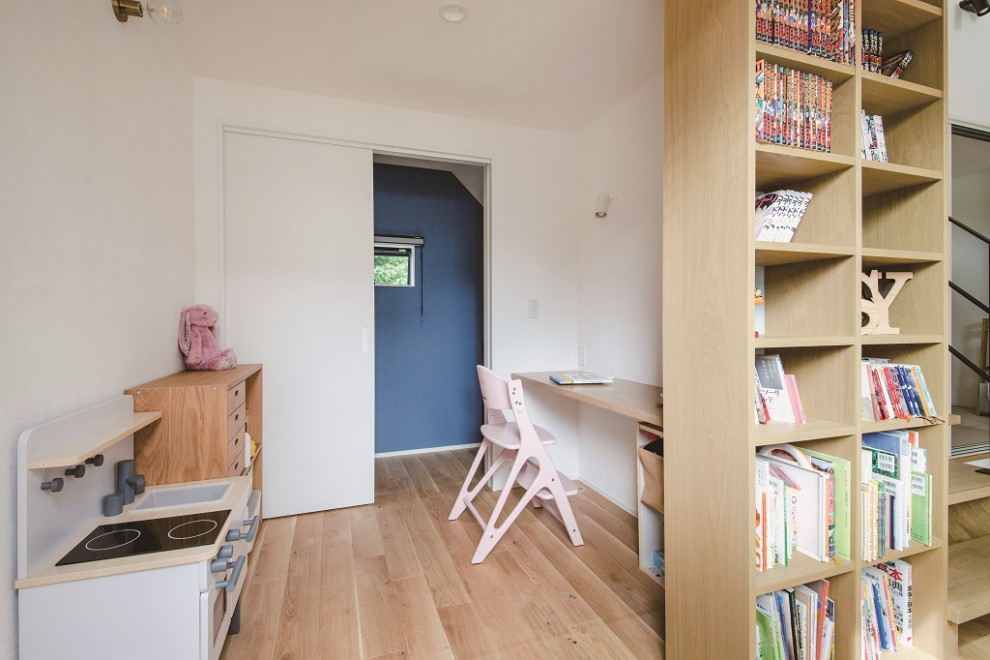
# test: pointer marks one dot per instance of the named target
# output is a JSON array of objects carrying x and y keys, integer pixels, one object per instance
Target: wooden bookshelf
[{"x": 864, "y": 215}]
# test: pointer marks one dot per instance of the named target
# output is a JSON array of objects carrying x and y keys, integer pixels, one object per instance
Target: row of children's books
[
  {"x": 874, "y": 142},
  {"x": 797, "y": 623},
  {"x": 874, "y": 61},
  {"x": 793, "y": 108},
  {"x": 778, "y": 214},
  {"x": 802, "y": 506},
  {"x": 890, "y": 390},
  {"x": 895, "y": 493},
  {"x": 823, "y": 28},
  {"x": 777, "y": 397},
  {"x": 887, "y": 618}
]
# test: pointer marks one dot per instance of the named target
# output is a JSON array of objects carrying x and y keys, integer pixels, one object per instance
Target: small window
[
  {"x": 394, "y": 265},
  {"x": 395, "y": 260}
]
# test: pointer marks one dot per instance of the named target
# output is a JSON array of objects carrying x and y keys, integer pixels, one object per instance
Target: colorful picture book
[
  {"x": 793, "y": 108},
  {"x": 823, "y": 28},
  {"x": 778, "y": 214}
]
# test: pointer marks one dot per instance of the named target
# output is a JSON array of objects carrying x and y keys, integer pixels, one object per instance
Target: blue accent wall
[{"x": 428, "y": 338}]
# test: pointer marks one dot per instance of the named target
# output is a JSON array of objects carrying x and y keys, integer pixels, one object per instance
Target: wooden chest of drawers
[{"x": 202, "y": 433}]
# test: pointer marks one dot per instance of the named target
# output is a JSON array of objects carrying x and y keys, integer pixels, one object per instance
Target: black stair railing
[{"x": 975, "y": 368}]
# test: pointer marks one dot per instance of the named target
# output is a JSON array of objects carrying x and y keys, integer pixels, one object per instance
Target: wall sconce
[
  {"x": 978, "y": 7},
  {"x": 163, "y": 12},
  {"x": 604, "y": 203}
]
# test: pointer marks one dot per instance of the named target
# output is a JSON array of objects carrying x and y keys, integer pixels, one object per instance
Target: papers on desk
[{"x": 579, "y": 378}]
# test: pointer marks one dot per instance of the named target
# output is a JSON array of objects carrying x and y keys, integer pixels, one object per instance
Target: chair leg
[
  {"x": 460, "y": 503},
  {"x": 566, "y": 515},
  {"x": 493, "y": 532}
]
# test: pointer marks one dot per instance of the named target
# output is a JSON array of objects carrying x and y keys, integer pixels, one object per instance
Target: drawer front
[
  {"x": 236, "y": 466},
  {"x": 235, "y": 421},
  {"x": 236, "y": 396},
  {"x": 235, "y": 447}
]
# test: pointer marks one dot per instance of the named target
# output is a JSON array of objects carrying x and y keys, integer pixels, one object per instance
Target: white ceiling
[{"x": 556, "y": 64}]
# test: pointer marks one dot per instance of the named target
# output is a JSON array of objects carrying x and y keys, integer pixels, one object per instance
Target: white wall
[
  {"x": 969, "y": 84},
  {"x": 96, "y": 230},
  {"x": 619, "y": 280},
  {"x": 533, "y": 204}
]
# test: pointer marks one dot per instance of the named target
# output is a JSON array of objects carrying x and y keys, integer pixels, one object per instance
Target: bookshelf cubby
[
  {"x": 650, "y": 514},
  {"x": 864, "y": 215}
]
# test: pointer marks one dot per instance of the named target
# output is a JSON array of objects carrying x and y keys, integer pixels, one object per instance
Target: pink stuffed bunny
[{"x": 198, "y": 340}]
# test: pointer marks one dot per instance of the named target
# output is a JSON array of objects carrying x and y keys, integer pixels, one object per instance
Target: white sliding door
[{"x": 298, "y": 236}]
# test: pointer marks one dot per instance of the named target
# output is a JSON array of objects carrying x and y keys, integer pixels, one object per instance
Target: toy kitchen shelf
[{"x": 78, "y": 449}]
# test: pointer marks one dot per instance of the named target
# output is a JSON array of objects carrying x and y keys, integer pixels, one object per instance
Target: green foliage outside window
[{"x": 391, "y": 270}]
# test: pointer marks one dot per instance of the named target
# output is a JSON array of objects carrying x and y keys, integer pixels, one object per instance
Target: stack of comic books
[
  {"x": 793, "y": 108},
  {"x": 823, "y": 28},
  {"x": 874, "y": 142},
  {"x": 872, "y": 50},
  {"x": 894, "y": 66},
  {"x": 778, "y": 214}
]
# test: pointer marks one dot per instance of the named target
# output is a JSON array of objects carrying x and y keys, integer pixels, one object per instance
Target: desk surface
[{"x": 640, "y": 401}]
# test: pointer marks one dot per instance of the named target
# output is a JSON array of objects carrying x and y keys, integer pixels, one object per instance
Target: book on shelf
[
  {"x": 879, "y": 601},
  {"x": 795, "y": 623},
  {"x": 793, "y": 108},
  {"x": 874, "y": 141},
  {"x": 900, "y": 575},
  {"x": 777, "y": 396},
  {"x": 799, "y": 505},
  {"x": 822, "y": 28},
  {"x": 872, "y": 55},
  {"x": 579, "y": 378},
  {"x": 779, "y": 213},
  {"x": 895, "y": 65},
  {"x": 897, "y": 500},
  {"x": 839, "y": 471},
  {"x": 890, "y": 390}
]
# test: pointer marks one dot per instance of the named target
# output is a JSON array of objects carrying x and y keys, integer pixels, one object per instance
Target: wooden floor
[{"x": 395, "y": 579}]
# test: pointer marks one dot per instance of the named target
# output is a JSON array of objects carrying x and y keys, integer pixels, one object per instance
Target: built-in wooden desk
[
  {"x": 643, "y": 405},
  {"x": 638, "y": 401}
]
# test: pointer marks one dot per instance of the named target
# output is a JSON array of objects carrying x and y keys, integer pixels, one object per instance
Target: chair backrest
[{"x": 499, "y": 395}]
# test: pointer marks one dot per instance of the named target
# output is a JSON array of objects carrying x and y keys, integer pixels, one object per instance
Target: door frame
[{"x": 398, "y": 151}]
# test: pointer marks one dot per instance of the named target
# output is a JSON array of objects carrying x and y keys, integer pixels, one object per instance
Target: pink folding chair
[{"x": 522, "y": 444}]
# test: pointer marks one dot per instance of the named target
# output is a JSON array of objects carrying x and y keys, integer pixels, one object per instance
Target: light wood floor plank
[
  {"x": 378, "y": 613},
  {"x": 366, "y": 535},
  {"x": 396, "y": 542},
  {"x": 421, "y": 625},
  {"x": 299, "y": 638},
  {"x": 338, "y": 623},
  {"x": 468, "y": 635}
]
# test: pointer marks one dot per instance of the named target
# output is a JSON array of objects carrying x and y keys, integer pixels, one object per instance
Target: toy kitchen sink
[{"x": 107, "y": 569}]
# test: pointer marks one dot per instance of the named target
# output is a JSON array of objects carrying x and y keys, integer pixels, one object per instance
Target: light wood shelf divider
[{"x": 864, "y": 215}]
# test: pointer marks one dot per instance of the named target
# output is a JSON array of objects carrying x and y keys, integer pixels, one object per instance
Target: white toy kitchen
[{"x": 109, "y": 569}]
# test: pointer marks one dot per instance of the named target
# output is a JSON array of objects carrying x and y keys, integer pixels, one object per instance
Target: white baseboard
[{"x": 427, "y": 450}]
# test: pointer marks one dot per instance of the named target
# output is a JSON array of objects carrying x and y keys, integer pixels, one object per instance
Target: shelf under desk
[{"x": 638, "y": 401}]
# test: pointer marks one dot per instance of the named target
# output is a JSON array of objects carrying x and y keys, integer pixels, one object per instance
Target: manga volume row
[
  {"x": 823, "y": 28},
  {"x": 793, "y": 108}
]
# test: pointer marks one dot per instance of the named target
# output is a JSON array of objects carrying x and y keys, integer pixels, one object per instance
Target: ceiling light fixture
[
  {"x": 162, "y": 12},
  {"x": 453, "y": 12}
]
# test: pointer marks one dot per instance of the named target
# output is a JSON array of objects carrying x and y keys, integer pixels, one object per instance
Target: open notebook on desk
[{"x": 578, "y": 378}]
